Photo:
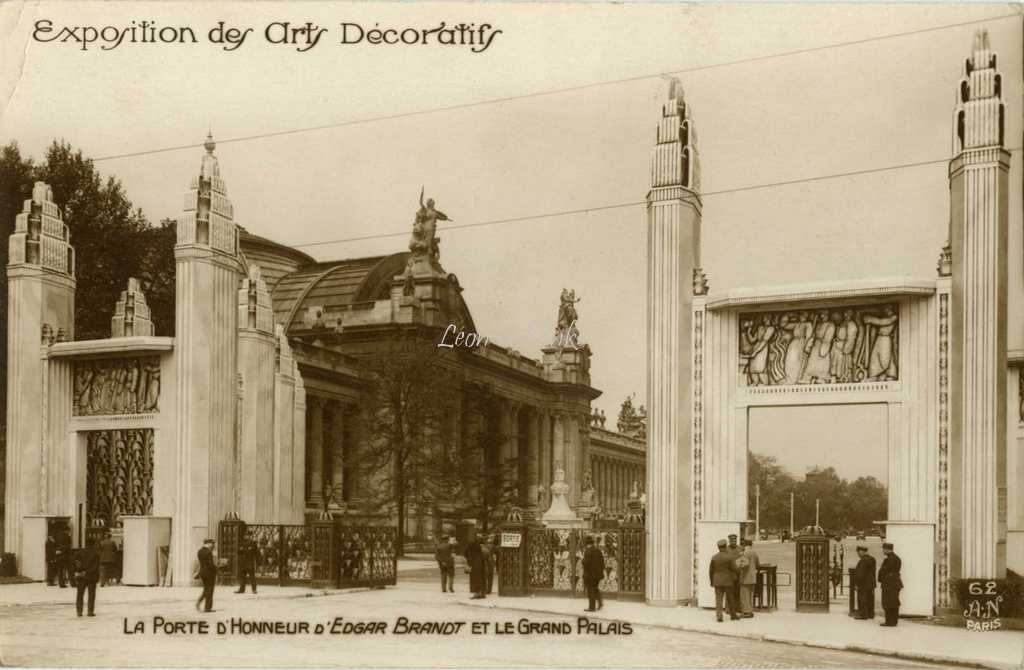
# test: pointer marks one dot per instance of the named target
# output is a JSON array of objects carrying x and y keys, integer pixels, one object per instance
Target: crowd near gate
[
  {"x": 540, "y": 560},
  {"x": 325, "y": 553}
]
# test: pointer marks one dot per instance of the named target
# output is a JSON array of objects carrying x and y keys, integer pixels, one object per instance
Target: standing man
[
  {"x": 207, "y": 573},
  {"x": 87, "y": 573},
  {"x": 108, "y": 556},
  {"x": 54, "y": 569},
  {"x": 889, "y": 578},
  {"x": 748, "y": 562},
  {"x": 864, "y": 580},
  {"x": 734, "y": 549},
  {"x": 722, "y": 572},
  {"x": 247, "y": 551},
  {"x": 475, "y": 563},
  {"x": 593, "y": 573},
  {"x": 446, "y": 562}
]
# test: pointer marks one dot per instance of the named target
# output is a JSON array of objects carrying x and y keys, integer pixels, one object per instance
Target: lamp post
[
  {"x": 757, "y": 511},
  {"x": 791, "y": 514}
]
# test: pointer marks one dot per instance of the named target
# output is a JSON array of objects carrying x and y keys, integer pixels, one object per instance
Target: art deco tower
[
  {"x": 673, "y": 254},
  {"x": 206, "y": 317},
  {"x": 978, "y": 185},
  {"x": 40, "y": 308}
]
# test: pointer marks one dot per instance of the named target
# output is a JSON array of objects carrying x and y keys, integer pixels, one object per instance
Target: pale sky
[{"x": 838, "y": 110}]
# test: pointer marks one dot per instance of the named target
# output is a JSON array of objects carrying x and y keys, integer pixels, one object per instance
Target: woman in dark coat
[{"x": 475, "y": 561}]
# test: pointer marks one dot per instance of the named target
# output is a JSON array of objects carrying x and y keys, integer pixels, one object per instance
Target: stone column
[
  {"x": 315, "y": 445},
  {"x": 978, "y": 219},
  {"x": 336, "y": 443},
  {"x": 571, "y": 449},
  {"x": 673, "y": 257},
  {"x": 544, "y": 448},
  {"x": 533, "y": 461}
]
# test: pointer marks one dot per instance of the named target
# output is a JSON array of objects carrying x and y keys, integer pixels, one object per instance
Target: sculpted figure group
[
  {"x": 122, "y": 386},
  {"x": 820, "y": 346}
]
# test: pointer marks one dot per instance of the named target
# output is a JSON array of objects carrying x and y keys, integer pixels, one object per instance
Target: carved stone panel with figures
[
  {"x": 828, "y": 345},
  {"x": 117, "y": 386}
]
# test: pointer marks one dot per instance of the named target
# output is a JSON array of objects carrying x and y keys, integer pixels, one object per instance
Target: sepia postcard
[{"x": 512, "y": 334}]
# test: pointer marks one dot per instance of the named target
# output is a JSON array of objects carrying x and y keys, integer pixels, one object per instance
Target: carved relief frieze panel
[
  {"x": 117, "y": 386},
  {"x": 833, "y": 345},
  {"x": 119, "y": 475}
]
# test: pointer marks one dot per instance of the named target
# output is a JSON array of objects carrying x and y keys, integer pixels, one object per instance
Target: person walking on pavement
[
  {"x": 475, "y": 564},
  {"x": 207, "y": 573},
  {"x": 593, "y": 573},
  {"x": 747, "y": 562},
  {"x": 247, "y": 551},
  {"x": 87, "y": 573},
  {"x": 446, "y": 563},
  {"x": 108, "y": 555},
  {"x": 889, "y": 578},
  {"x": 864, "y": 580},
  {"x": 723, "y": 574}
]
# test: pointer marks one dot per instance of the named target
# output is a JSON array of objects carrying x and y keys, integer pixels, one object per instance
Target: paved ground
[{"x": 50, "y": 634}]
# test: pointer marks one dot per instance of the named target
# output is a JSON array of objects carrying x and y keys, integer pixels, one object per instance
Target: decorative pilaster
[
  {"x": 673, "y": 258},
  {"x": 40, "y": 305},
  {"x": 978, "y": 239},
  {"x": 256, "y": 366},
  {"x": 337, "y": 447}
]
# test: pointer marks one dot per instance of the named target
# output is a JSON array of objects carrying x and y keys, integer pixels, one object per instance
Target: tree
[
  {"x": 489, "y": 483},
  {"x": 403, "y": 412}
]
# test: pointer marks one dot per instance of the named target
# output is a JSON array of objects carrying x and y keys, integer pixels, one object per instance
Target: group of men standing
[
  {"x": 733, "y": 574},
  {"x": 85, "y": 568},
  {"x": 481, "y": 559},
  {"x": 888, "y": 576}
]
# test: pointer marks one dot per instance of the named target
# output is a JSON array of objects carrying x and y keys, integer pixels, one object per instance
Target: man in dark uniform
[
  {"x": 207, "y": 573},
  {"x": 593, "y": 573},
  {"x": 53, "y": 567},
  {"x": 723, "y": 574},
  {"x": 735, "y": 550},
  {"x": 889, "y": 578},
  {"x": 87, "y": 573},
  {"x": 247, "y": 564},
  {"x": 475, "y": 562},
  {"x": 108, "y": 556},
  {"x": 864, "y": 581}
]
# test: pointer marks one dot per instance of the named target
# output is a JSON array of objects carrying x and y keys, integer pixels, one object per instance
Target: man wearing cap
[
  {"x": 864, "y": 581},
  {"x": 723, "y": 573},
  {"x": 207, "y": 573},
  {"x": 735, "y": 550},
  {"x": 747, "y": 562},
  {"x": 889, "y": 578}
]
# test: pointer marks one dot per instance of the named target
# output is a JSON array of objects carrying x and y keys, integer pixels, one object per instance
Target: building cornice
[
  {"x": 116, "y": 346},
  {"x": 886, "y": 287}
]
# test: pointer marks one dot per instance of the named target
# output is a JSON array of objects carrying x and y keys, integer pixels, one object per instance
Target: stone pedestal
[
  {"x": 560, "y": 515},
  {"x": 708, "y": 535},
  {"x": 914, "y": 543},
  {"x": 143, "y": 537},
  {"x": 35, "y": 529}
]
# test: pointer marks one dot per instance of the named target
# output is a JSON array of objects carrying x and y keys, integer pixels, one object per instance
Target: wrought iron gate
[{"x": 325, "y": 553}]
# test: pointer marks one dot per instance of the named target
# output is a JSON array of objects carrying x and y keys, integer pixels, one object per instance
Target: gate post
[
  {"x": 812, "y": 573},
  {"x": 632, "y": 549},
  {"x": 512, "y": 555},
  {"x": 322, "y": 550},
  {"x": 229, "y": 539}
]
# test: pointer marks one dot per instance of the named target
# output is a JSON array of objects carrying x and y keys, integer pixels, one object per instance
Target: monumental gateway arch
[{"x": 938, "y": 352}]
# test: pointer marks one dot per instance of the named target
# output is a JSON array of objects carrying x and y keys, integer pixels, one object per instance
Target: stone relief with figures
[
  {"x": 834, "y": 345},
  {"x": 117, "y": 386}
]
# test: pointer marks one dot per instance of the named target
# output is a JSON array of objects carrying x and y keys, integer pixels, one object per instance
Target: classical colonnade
[
  {"x": 614, "y": 478},
  {"x": 328, "y": 436}
]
